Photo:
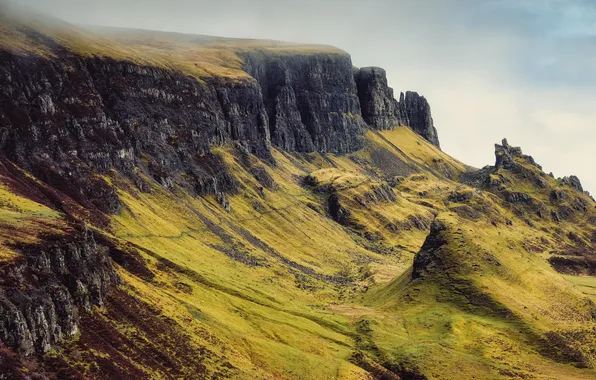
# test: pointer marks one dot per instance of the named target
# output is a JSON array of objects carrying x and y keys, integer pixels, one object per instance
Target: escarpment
[
  {"x": 311, "y": 101},
  {"x": 67, "y": 119},
  {"x": 90, "y": 128},
  {"x": 177, "y": 206},
  {"x": 317, "y": 102}
]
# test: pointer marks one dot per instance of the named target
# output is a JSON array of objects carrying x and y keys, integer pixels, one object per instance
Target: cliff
[
  {"x": 417, "y": 111},
  {"x": 380, "y": 110},
  {"x": 383, "y": 112},
  {"x": 64, "y": 118},
  {"x": 311, "y": 101},
  {"x": 177, "y": 206},
  {"x": 41, "y": 296},
  {"x": 72, "y": 119}
]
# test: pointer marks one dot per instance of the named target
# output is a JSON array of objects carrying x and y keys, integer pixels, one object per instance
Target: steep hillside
[{"x": 176, "y": 206}]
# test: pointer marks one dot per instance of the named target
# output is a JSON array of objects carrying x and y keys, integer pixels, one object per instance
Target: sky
[{"x": 520, "y": 69}]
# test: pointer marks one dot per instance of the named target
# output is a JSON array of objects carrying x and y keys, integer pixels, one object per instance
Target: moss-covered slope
[
  {"x": 152, "y": 226},
  {"x": 273, "y": 284}
]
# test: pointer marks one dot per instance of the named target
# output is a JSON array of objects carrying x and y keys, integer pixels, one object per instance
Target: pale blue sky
[{"x": 521, "y": 69}]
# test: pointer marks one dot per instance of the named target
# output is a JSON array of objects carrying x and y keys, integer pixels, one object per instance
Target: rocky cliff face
[
  {"x": 65, "y": 120},
  {"x": 382, "y": 111},
  {"x": 311, "y": 101},
  {"x": 40, "y": 296},
  {"x": 419, "y": 117}
]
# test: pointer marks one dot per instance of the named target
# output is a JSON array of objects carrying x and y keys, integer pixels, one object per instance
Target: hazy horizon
[{"x": 516, "y": 69}]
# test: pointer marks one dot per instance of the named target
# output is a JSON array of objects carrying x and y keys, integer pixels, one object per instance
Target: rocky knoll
[
  {"x": 514, "y": 173},
  {"x": 505, "y": 154}
]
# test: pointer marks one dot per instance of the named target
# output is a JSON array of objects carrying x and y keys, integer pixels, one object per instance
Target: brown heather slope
[{"x": 390, "y": 261}]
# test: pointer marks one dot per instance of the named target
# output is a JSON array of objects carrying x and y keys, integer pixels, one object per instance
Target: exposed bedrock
[
  {"x": 69, "y": 119},
  {"x": 419, "y": 117},
  {"x": 382, "y": 111},
  {"x": 311, "y": 101},
  {"x": 41, "y": 295},
  {"x": 430, "y": 254}
]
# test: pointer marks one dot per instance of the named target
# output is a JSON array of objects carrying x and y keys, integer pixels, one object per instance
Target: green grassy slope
[
  {"x": 323, "y": 267},
  {"x": 194, "y": 55},
  {"x": 276, "y": 288}
]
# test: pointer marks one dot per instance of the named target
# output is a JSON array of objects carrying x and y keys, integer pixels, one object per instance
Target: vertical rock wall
[
  {"x": 311, "y": 101},
  {"x": 382, "y": 111},
  {"x": 419, "y": 116},
  {"x": 379, "y": 108}
]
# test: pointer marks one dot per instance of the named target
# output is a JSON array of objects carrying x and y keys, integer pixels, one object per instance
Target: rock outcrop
[
  {"x": 515, "y": 172},
  {"x": 379, "y": 108},
  {"x": 419, "y": 118},
  {"x": 382, "y": 111},
  {"x": 430, "y": 253},
  {"x": 311, "y": 101},
  {"x": 41, "y": 295},
  {"x": 574, "y": 182},
  {"x": 505, "y": 153}
]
